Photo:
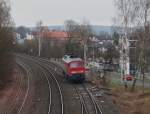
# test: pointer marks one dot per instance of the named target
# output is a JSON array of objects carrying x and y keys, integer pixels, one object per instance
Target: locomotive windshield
[{"x": 76, "y": 64}]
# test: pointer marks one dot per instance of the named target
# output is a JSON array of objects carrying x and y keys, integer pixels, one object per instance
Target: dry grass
[{"x": 131, "y": 103}]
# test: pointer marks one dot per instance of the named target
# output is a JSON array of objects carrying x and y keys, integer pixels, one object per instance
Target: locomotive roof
[{"x": 68, "y": 60}]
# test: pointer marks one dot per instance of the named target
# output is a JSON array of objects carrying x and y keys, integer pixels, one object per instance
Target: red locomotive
[{"x": 74, "y": 69}]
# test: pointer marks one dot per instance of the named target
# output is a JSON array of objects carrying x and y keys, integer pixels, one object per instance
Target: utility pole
[
  {"x": 39, "y": 27},
  {"x": 39, "y": 38},
  {"x": 85, "y": 50},
  {"x": 93, "y": 53}
]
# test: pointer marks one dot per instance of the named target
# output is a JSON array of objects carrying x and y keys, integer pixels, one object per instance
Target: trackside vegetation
[{"x": 6, "y": 43}]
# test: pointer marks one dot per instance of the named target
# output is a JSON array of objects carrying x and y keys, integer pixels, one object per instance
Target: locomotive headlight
[
  {"x": 74, "y": 72},
  {"x": 81, "y": 71}
]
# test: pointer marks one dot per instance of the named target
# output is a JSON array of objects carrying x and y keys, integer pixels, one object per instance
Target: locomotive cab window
[{"x": 76, "y": 64}]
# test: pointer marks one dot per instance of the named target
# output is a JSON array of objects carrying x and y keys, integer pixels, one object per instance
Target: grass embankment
[{"x": 131, "y": 102}]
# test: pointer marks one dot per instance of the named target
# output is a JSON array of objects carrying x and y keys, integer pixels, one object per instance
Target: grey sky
[{"x": 52, "y": 12}]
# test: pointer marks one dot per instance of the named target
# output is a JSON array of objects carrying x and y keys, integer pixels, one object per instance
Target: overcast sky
[{"x": 54, "y": 12}]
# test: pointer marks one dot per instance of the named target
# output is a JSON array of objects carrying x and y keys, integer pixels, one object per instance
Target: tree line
[{"x": 6, "y": 42}]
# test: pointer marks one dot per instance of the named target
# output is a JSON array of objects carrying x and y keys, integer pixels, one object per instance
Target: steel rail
[
  {"x": 50, "y": 92},
  {"x": 96, "y": 105},
  {"x": 49, "y": 87},
  {"x": 97, "y": 108},
  {"x": 83, "y": 105},
  {"x": 44, "y": 60},
  {"x": 58, "y": 85},
  {"x": 43, "y": 65},
  {"x": 28, "y": 87}
]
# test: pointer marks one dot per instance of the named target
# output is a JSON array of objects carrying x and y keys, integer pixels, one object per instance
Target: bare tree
[
  {"x": 6, "y": 41},
  {"x": 78, "y": 33},
  {"x": 72, "y": 29},
  {"x": 85, "y": 33},
  {"x": 136, "y": 14},
  {"x": 124, "y": 17},
  {"x": 143, "y": 20},
  {"x": 71, "y": 46}
]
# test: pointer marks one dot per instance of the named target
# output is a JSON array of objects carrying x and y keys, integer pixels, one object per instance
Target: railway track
[
  {"x": 50, "y": 95},
  {"x": 28, "y": 71},
  {"x": 84, "y": 109},
  {"x": 82, "y": 102},
  {"x": 56, "y": 97},
  {"x": 89, "y": 104},
  {"x": 53, "y": 66},
  {"x": 42, "y": 75}
]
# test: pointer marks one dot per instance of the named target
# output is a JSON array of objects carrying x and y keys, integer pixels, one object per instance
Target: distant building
[
  {"x": 52, "y": 35},
  {"x": 18, "y": 36},
  {"x": 101, "y": 42},
  {"x": 29, "y": 36}
]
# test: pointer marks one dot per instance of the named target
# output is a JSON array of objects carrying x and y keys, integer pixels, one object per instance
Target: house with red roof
[{"x": 52, "y": 35}]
